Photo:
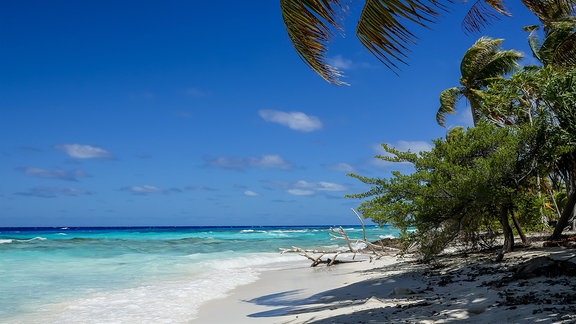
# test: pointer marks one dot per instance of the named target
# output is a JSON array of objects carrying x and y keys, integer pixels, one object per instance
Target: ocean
[{"x": 141, "y": 274}]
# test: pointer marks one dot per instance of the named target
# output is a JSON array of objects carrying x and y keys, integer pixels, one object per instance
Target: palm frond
[
  {"x": 534, "y": 41},
  {"x": 498, "y": 5},
  {"x": 566, "y": 54},
  {"x": 551, "y": 10},
  {"x": 381, "y": 28},
  {"x": 448, "y": 99},
  {"x": 559, "y": 47},
  {"x": 500, "y": 63},
  {"x": 481, "y": 14},
  {"x": 477, "y": 56},
  {"x": 310, "y": 25}
]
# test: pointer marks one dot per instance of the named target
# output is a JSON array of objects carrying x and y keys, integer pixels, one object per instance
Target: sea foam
[{"x": 150, "y": 302}]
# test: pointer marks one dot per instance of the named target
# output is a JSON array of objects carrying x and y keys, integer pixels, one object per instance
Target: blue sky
[{"x": 201, "y": 113}]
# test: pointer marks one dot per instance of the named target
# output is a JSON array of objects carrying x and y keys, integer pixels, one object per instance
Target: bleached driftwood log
[{"x": 372, "y": 250}]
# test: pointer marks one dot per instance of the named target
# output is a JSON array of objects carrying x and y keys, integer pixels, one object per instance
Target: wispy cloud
[
  {"x": 241, "y": 163},
  {"x": 404, "y": 146},
  {"x": 250, "y": 193},
  {"x": 79, "y": 151},
  {"x": 329, "y": 186},
  {"x": 300, "y": 192},
  {"x": 199, "y": 188},
  {"x": 340, "y": 62},
  {"x": 298, "y": 121},
  {"x": 68, "y": 175},
  {"x": 53, "y": 192},
  {"x": 143, "y": 189},
  {"x": 148, "y": 189},
  {"x": 307, "y": 188},
  {"x": 342, "y": 167}
]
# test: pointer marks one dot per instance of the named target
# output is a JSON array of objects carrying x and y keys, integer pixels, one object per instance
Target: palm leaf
[
  {"x": 448, "y": 99},
  {"x": 551, "y": 10},
  {"x": 500, "y": 63},
  {"x": 381, "y": 28},
  {"x": 534, "y": 41},
  {"x": 481, "y": 13},
  {"x": 559, "y": 46},
  {"x": 310, "y": 25},
  {"x": 476, "y": 58},
  {"x": 498, "y": 5},
  {"x": 565, "y": 54}
]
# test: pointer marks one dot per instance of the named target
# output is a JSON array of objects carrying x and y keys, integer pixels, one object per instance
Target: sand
[{"x": 467, "y": 288}]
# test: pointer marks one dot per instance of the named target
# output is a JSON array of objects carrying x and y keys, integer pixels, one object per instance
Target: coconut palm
[
  {"x": 482, "y": 63},
  {"x": 558, "y": 47},
  {"x": 382, "y": 27}
]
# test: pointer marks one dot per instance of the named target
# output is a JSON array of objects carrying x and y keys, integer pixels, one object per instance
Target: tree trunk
[
  {"x": 565, "y": 217},
  {"x": 508, "y": 234},
  {"x": 519, "y": 228}
]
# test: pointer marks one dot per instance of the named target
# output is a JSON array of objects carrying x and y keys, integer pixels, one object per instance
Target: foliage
[
  {"x": 383, "y": 28},
  {"x": 482, "y": 64},
  {"x": 545, "y": 98},
  {"x": 457, "y": 188},
  {"x": 518, "y": 161},
  {"x": 558, "y": 47}
]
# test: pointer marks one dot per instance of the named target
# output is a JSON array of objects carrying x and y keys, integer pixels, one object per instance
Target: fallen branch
[{"x": 316, "y": 256}]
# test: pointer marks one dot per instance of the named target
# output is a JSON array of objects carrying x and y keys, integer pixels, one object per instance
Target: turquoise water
[{"x": 96, "y": 275}]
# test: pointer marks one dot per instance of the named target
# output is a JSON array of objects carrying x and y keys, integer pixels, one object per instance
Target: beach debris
[
  {"x": 355, "y": 247},
  {"x": 568, "y": 242},
  {"x": 317, "y": 256}
]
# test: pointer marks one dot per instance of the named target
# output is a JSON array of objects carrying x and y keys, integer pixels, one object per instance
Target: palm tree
[
  {"x": 558, "y": 48},
  {"x": 383, "y": 25},
  {"x": 381, "y": 29},
  {"x": 482, "y": 63}
]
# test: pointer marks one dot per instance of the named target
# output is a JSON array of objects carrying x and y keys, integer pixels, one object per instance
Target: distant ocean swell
[{"x": 135, "y": 275}]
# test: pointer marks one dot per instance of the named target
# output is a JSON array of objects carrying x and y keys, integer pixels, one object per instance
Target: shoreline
[
  {"x": 462, "y": 287},
  {"x": 289, "y": 293}
]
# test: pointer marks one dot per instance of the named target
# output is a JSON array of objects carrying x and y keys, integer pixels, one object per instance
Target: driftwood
[{"x": 317, "y": 256}]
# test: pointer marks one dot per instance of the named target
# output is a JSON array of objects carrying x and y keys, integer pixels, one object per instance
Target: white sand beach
[{"x": 454, "y": 288}]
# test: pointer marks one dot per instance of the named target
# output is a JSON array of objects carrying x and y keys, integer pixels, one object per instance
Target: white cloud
[
  {"x": 304, "y": 184},
  {"x": 330, "y": 186},
  {"x": 294, "y": 120},
  {"x": 307, "y": 188},
  {"x": 69, "y": 175},
  {"x": 300, "y": 192},
  {"x": 270, "y": 161},
  {"x": 79, "y": 151},
  {"x": 250, "y": 193},
  {"x": 342, "y": 167},
  {"x": 239, "y": 163},
  {"x": 199, "y": 188},
  {"x": 143, "y": 190},
  {"x": 340, "y": 62},
  {"x": 53, "y": 192}
]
